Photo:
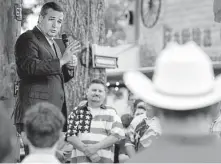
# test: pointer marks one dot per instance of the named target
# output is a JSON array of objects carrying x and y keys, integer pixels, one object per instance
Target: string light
[
  {"x": 108, "y": 84},
  {"x": 116, "y": 88},
  {"x": 117, "y": 83}
]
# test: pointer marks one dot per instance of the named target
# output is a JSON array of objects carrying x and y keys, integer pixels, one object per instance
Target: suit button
[{"x": 62, "y": 98}]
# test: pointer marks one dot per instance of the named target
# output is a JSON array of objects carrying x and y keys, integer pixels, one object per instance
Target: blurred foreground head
[
  {"x": 7, "y": 138},
  {"x": 43, "y": 125},
  {"x": 183, "y": 82}
]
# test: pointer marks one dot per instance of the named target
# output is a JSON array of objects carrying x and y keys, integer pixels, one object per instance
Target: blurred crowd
[{"x": 92, "y": 122}]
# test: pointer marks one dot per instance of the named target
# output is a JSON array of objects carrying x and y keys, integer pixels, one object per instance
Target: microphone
[{"x": 65, "y": 39}]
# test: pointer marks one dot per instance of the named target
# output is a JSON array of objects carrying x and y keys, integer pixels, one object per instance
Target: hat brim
[{"x": 142, "y": 86}]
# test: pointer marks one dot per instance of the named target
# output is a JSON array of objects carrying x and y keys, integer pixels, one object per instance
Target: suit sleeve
[
  {"x": 68, "y": 73},
  {"x": 28, "y": 61}
]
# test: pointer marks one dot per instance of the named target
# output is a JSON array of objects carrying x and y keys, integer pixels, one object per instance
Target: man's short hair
[
  {"x": 7, "y": 137},
  {"x": 43, "y": 124},
  {"x": 50, "y": 5},
  {"x": 137, "y": 101},
  {"x": 97, "y": 81},
  {"x": 209, "y": 110}
]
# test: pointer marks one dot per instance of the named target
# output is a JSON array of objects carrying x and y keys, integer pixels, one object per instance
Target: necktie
[{"x": 54, "y": 49}]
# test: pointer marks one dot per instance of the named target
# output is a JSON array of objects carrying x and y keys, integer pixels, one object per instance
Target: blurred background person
[
  {"x": 143, "y": 130},
  {"x": 130, "y": 102},
  {"x": 139, "y": 107}
]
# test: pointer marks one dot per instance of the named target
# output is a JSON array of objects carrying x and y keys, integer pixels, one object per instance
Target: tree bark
[
  {"x": 84, "y": 19},
  {"x": 10, "y": 29}
]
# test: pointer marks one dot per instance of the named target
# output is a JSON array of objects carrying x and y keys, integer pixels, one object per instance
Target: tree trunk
[
  {"x": 10, "y": 29},
  {"x": 84, "y": 19}
]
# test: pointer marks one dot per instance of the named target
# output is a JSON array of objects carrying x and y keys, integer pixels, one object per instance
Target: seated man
[
  {"x": 43, "y": 125},
  {"x": 141, "y": 132},
  {"x": 139, "y": 107},
  {"x": 94, "y": 128}
]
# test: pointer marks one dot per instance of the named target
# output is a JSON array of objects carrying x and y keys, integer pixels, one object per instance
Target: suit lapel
[{"x": 42, "y": 39}]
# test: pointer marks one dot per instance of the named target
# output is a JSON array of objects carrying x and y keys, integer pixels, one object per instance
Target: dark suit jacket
[{"x": 41, "y": 78}]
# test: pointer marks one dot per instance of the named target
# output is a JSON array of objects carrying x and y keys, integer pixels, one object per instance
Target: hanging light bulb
[{"x": 108, "y": 84}]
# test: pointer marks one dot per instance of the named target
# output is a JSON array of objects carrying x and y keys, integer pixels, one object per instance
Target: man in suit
[{"x": 41, "y": 67}]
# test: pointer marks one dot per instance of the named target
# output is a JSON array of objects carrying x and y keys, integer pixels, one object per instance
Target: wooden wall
[{"x": 181, "y": 21}]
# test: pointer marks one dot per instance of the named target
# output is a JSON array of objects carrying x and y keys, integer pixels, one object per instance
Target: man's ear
[{"x": 40, "y": 18}]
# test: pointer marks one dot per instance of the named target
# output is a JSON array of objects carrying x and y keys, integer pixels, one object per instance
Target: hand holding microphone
[{"x": 72, "y": 47}]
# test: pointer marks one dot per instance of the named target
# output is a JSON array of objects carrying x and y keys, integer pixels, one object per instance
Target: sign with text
[{"x": 182, "y": 21}]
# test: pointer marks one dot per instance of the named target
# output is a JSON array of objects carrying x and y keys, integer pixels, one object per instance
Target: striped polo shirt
[{"x": 92, "y": 126}]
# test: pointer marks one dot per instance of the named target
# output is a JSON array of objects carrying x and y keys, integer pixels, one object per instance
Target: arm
[
  {"x": 116, "y": 134},
  {"x": 129, "y": 141},
  {"x": 107, "y": 142},
  {"x": 130, "y": 150},
  {"x": 76, "y": 142},
  {"x": 28, "y": 61}
]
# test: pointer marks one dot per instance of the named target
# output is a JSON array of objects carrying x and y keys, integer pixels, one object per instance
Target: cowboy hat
[{"x": 183, "y": 79}]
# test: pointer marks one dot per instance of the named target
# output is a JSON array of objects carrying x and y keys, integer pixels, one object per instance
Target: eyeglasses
[{"x": 141, "y": 107}]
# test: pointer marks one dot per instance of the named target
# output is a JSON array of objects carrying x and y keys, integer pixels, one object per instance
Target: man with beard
[
  {"x": 94, "y": 128},
  {"x": 41, "y": 67}
]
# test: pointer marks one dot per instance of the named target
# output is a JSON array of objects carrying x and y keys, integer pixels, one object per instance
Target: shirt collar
[
  {"x": 50, "y": 40},
  {"x": 102, "y": 106}
]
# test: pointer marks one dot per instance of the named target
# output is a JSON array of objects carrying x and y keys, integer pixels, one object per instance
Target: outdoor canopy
[{"x": 217, "y": 10}]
